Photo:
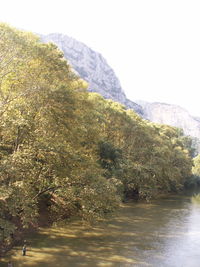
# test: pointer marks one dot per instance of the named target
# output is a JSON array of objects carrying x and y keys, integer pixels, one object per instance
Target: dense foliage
[
  {"x": 196, "y": 167},
  {"x": 69, "y": 151},
  {"x": 194, "y": 179}
]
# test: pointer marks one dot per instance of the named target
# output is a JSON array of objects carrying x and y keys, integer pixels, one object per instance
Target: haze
[{"x": 153, "y": 46}]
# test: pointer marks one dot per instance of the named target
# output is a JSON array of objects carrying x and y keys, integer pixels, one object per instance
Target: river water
[{"x": 160, "y": 233}]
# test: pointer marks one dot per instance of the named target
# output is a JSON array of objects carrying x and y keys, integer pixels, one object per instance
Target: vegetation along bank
[{"x": 67, "y": 152}]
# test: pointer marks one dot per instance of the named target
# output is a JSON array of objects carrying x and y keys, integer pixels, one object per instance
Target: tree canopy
[{"x": 71, "y": 151}]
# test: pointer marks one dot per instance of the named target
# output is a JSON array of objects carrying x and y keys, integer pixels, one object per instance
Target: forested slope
[
  {"x": 70, "y": 150},
  {"x": 93, "y": 68}
]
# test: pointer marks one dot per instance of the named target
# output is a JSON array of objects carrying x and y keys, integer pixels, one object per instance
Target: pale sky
[{"x": 152, "y": 45}]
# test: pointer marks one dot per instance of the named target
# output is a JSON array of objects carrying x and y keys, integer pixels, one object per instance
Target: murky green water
[{"x": 161, "y": 233}]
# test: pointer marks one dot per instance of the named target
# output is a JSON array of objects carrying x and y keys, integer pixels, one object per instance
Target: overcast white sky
[{"x": 152, "y": 45}]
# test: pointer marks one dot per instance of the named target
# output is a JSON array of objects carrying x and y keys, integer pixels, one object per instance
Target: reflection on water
[{"x": 161, "y": 233}]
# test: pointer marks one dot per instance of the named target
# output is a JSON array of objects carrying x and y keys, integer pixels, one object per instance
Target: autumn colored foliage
[{"x": 69, "y": 150}]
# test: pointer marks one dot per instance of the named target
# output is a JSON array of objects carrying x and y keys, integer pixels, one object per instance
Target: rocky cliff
[
  {"x": 93, "y": 68},
  {"x": 172, "y": 115},
  {"x": 175, "y": 116}
]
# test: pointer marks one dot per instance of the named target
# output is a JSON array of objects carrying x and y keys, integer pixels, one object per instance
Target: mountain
[
  {"x": 175, "y": 116},
  {"x": 93, "y": 68},
  {"x": 172, "y": 115}
]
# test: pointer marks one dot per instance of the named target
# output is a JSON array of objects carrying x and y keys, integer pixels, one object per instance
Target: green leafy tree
[{"x": 47, "y": 140}]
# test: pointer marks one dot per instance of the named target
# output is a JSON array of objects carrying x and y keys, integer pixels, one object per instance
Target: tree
[{"x": 46, "y": 134}]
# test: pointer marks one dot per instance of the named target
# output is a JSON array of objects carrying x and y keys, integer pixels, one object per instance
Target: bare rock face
[
  {"x": 93, "y": 68},
  {"x": 173, "y": 115}
]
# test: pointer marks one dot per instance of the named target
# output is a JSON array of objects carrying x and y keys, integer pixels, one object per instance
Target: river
[{"x": 160, "y": 233}]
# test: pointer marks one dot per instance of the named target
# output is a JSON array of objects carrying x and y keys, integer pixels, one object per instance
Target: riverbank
[
  {"x": 159, "y": 233},
  {"x": 44, "y": 222}
]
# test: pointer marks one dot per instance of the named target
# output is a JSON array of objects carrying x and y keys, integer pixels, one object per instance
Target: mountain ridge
[
  {"x": 92, "y": 67},
  {"x": 173, "y": 115}
]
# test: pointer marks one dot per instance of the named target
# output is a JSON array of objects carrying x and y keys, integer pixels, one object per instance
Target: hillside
[
  {"x": 93, "y": 68},
  {"x": 172, "y": 115},
  {"x": 69, "y": 152}
]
